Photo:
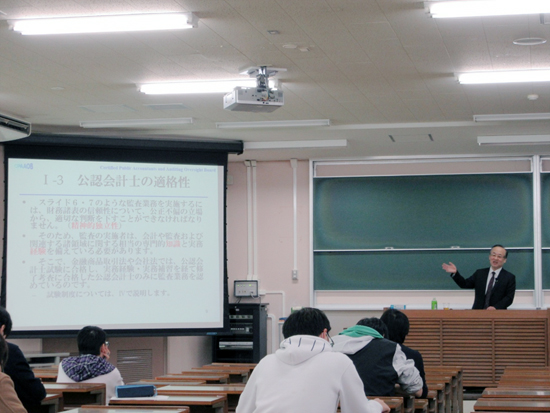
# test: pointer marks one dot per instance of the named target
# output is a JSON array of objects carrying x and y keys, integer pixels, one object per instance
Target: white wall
[
  {"x": 274, "y": 183},
  {"x": 275, "y": 255},
  {"x": 184, "y": 353}
]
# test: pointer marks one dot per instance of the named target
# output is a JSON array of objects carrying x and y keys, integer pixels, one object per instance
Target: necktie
[{"x": 489, "y": 290}]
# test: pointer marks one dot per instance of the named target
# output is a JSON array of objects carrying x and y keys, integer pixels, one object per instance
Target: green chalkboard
[
  {"x": 418, "y": 212},
  {"x": 409, "y": 270},
  {"x": 545, "y": 228}
]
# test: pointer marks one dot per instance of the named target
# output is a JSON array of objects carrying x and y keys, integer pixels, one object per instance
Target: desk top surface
[
  {"x": 199, "y": 376},
  {"x": 163, "y": 383},
  {"x": 516, "y": 392},
  {"x": 171, "y": 400},
  {"x": 113, "y": 409},
  {"x": 512, "y": 405},
  {"x": 74, "y": 387},
  {"x": 45, "y": 375},
  {"x": 232, "y": 364},
  {"x": 228, "y": 369},
  {"x": 224, "y": 388},
  {"x": 52, "y": 396}
]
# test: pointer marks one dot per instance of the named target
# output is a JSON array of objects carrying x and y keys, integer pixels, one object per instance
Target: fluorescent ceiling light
[
  {"x": 132, "y": 123},
  {"x": 514, "y": 140},
  {"x": 273, "y": 124},
  {"x": 512, "y": 76},
  {"x": 511, "y": 116},
  {"x": 475, "y": 8},
  {"x": 332, "y": 143},
  {"x": 107, "y": 23},
  {"x": 199, "y": 86}
]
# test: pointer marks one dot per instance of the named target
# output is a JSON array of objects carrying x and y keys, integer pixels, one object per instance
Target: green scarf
[{"x": 360, "y": 331}]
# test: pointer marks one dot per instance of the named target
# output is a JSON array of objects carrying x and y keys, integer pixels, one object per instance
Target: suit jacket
[
  {"x": 29, "y": 389},
  {"x": 503, "y": 290}
]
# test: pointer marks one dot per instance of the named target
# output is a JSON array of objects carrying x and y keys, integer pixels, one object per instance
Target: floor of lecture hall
[{"x": 468, "y": 406}]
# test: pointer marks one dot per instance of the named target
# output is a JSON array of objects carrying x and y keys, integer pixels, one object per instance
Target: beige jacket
[{"x": 9, "y": 403}]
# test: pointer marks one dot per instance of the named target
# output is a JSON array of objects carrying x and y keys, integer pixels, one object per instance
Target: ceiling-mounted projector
[
  {"x": 12, "y": 129},
  {"x": 248, "y": 99},
  {"x": 261, "y": 98}
]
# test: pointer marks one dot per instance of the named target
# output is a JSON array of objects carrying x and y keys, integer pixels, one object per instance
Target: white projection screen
[{"x": 120, "y": 237}]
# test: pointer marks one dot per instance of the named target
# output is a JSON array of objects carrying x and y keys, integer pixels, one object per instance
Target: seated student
[
  {"x": 398, "y": 328},
  {"x": 92, "y": 366},
  {"x": 305, "y": 375},
  {"x": 9, "y": 402},
  {"x": 29, "y": 388},
  {"x": 380, "y": 362}
]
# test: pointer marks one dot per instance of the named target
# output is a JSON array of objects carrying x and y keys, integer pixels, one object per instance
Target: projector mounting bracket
[{"x": 262, "y": 75}]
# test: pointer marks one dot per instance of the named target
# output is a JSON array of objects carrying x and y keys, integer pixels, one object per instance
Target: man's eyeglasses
[{"x": 330, "y": 340}]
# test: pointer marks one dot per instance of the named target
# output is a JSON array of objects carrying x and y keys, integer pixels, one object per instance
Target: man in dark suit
[{"x": 494, "y": 287}]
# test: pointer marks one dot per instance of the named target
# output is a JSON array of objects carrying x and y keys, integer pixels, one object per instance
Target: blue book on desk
[{"x": 136, "y": 390}]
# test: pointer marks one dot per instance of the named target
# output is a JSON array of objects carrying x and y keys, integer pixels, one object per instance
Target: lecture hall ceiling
[{"x": 382, "y": 71}]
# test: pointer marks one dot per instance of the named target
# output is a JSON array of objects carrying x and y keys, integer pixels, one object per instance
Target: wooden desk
[
  {"x": 51, "y": 404},
  {"x": 251, "y": 366},
  {"x": 45, "y": 359},
  {"x": 532, "y": 370},
  {"x": 206, "y": 376},
  {"x": 227, "y": 367},
  {"x": 196, "y": 404},
  {"x": 514, "y": 392},
  {"x": 46, "y": 376},
  {"x": 523, "y": 384},
  {"x": 158, "y": 383},
  {"x": 456, "y": 373},
  {"x": 483, "y": 343},
  {"x": 512, "y": 405},
  {"x": 236, "y": 374},
  {"x": 233, "y": 392},
  {"x": 128, "y": 409},
  {"x": 451, "y": 389},
  {"x": 421, "y": 406},
  {"x": 207, "y": 388},
  {"x": 440, "y": 398},
  {"x": 408, "y": 400},
  {"x": 432, "y": 401},
  {"x": 394, "y": 403},
  {"x": 77, "y": 394}
]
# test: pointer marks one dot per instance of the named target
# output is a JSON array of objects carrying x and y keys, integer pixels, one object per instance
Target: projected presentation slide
[{"x": 119, "y": 245}]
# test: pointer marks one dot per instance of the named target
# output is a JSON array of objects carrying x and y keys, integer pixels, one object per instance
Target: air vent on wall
[
  {"x": 417, "y": 138},
  {"x": 135, "y": 365},
  {"x": 107, "y": 108},
  {"x": 166, "y": 106}
]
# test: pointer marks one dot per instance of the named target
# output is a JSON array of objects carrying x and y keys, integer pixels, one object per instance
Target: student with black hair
[
  {"x": 398, "y": 326},
  {"x": 92, "y": 365},
  {"x": 305, "y": 375},
  {"x": 29, "y": 388},
  {"x": 381, "y": 363}
]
